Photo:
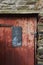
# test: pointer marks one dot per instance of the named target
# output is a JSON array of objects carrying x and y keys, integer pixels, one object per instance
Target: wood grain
[{"x": 23, "y": 55}]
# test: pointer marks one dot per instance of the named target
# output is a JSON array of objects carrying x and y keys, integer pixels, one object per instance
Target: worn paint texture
[{"x": 23, "y": 55}]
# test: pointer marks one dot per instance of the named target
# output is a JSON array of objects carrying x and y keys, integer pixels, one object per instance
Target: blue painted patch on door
[{"x": 16, "y": 36}]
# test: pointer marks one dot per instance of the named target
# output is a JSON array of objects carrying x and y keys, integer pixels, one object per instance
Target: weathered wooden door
[
  {"x": 21, "y": 55},
  {"x": 5, "y": 40}
]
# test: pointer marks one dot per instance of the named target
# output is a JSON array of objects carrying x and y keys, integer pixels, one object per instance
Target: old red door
[{"x": 22, "y": 55}]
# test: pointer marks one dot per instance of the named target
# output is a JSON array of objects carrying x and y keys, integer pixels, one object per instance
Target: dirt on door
[{"x": 21, "y": 55}]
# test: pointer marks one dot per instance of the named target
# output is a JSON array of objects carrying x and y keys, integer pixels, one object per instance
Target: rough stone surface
[
  {"x": 21, "y": 5},
  {"x": 40, "y": 42}
]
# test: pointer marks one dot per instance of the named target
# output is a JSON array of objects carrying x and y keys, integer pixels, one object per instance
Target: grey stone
[
  {"x": 14, "y": 3},
  {"x": 20, "y": 5}
]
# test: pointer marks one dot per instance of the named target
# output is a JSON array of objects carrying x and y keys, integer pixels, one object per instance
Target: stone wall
[{"x": 21, "y": 5}]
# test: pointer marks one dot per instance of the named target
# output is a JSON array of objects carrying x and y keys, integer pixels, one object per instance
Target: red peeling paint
[{"x": 23, "y": 55}]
